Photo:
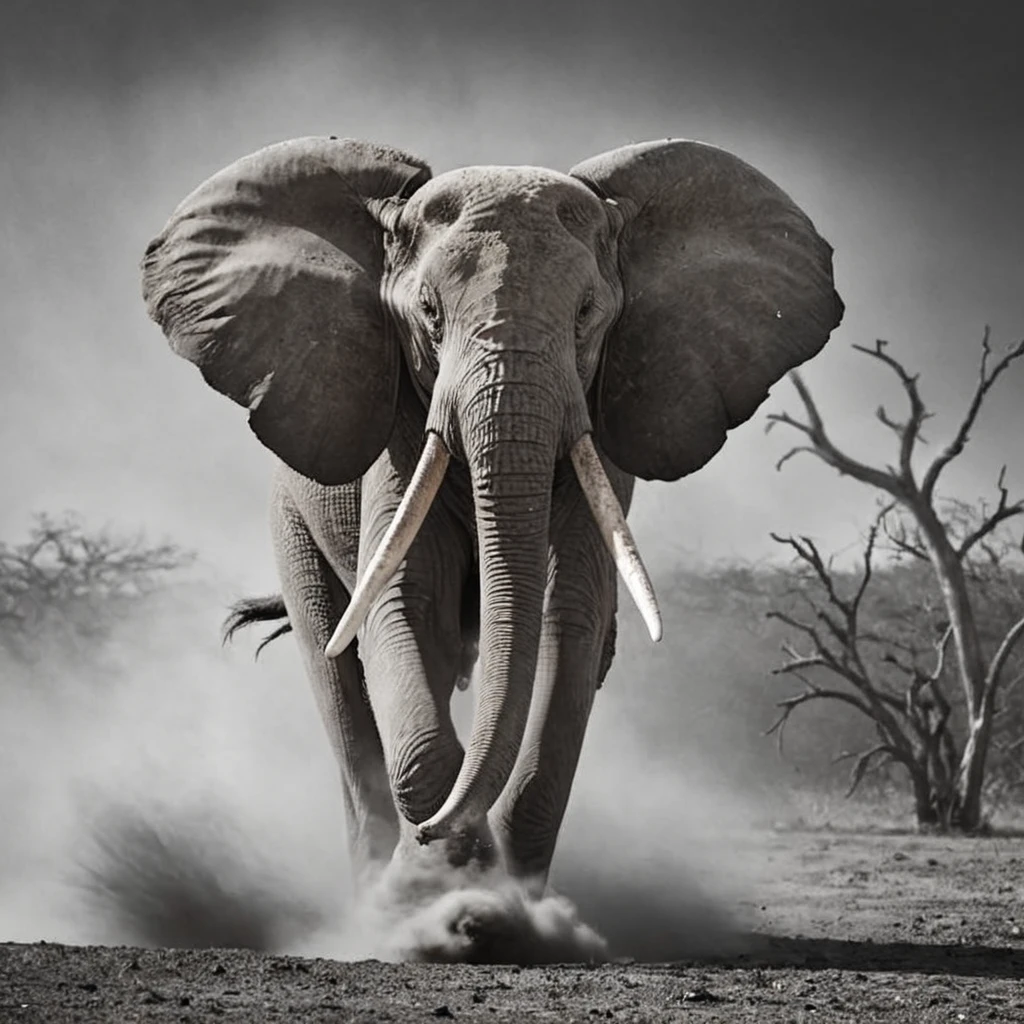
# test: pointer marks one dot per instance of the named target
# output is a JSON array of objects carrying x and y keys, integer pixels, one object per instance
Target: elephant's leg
[
  {"x": 411, "y": 646},
  {"x": 577, "y": 641},
  {"x": 315, "y": 599}
]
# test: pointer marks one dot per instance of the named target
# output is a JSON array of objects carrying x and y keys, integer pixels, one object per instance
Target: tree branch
[
  {"x": 985, "y": 382},
  {"x": 909, "y": 432},
  {"x": 845, "y": 635},
  {"x": 940, "y": 655},
  {"x": 869, "y": 550},
  {"x": 823, "y": 447},
  {"x": 807, "y": 551},
  {"x": 864, "y": 761},
  {"x": 899, "y": 540},
  {"x": 999, "y": 659},
  {"x": 790, "y": 704},
  {"x": 1003, "y": 511}
]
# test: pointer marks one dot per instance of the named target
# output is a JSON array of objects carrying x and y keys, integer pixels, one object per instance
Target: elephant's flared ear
[
  {"x": 267, "y": 277},
  {"x": 726, "y": 287}
]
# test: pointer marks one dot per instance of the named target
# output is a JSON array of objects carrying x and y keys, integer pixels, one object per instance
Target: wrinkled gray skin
[{"x": 353, "y": 303}]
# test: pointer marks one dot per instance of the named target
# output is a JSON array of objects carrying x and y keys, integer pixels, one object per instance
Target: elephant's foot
[
  {"x": 471, "y": 850},
  {"x": 371, "y": 848},
  {"x": 453, "y": 901},
  {"x": 528, "y": 865},
  {"x": 474, "y": 848},
  {"x": 534, "y": 884},
  {"x": 417, "y": 876},
  {"x": 501, "y": 922}
]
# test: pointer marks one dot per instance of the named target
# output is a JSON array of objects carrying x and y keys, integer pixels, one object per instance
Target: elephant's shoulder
[{"x": 330, "y": 514}]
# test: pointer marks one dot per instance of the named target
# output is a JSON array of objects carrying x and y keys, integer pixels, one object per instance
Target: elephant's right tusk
[
  {"x": 618, "y": 538},
  {"x": 396, "y": 542}
]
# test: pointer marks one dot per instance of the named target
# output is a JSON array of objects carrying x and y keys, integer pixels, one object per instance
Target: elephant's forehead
[{"x": 485, "y": 192}]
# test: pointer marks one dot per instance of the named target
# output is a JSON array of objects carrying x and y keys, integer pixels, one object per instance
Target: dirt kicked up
[{"x": 848, "y": 927}]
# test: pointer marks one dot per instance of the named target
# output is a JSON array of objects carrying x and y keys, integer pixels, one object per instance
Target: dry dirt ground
[{"x": 849, "y": 927}]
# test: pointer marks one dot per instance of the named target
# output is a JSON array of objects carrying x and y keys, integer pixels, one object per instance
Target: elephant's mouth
[{"x": 423, "y": 488}]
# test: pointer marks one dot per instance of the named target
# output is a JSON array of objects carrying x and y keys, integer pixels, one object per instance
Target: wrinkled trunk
[{"x": 510, "y": 436}]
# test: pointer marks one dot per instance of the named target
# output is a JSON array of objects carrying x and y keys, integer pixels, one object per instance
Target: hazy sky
[{"x": 899, "y": 127}]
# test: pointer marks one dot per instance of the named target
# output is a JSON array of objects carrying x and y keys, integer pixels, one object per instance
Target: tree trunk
[
  {"x": 972, "y": 770},
  {"x": 925, "y": 809},
  {"x": 965, "y": 814}
]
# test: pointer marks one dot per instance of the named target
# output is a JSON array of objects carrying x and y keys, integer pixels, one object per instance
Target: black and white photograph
[{"x": 513, "y": 511}]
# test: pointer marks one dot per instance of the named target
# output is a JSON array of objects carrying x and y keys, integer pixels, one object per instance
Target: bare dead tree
[
  {"x": 912, "y": 723},
  {"x": 66, "y": 577}
]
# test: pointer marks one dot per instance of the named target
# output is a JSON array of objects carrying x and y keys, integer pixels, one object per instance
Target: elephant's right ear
[{"x": 267, "y": 277}]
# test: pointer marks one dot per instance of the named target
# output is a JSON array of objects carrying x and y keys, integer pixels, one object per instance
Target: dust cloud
[
  {"x": 427, "y": 911},
  {"x": 171, "y": 793}
]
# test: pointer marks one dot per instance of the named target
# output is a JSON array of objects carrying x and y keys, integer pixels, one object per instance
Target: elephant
[{"x": 460, "y": 376}]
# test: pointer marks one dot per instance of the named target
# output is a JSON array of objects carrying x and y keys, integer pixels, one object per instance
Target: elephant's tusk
[
  {"x": 396, "y": 542},
  {"x": 617, "y": 536}
]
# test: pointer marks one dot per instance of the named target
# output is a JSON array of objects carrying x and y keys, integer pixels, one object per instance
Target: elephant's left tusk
[
  {"x": 617, "y": 536},
  {"x": 396, "y": 542}
]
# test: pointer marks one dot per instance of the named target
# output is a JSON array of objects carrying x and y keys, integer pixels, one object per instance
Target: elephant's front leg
[
  {"x": 576, "y": 646},
  {"x": 315, "y": 598},
  {"x": 411, "y": 648}
]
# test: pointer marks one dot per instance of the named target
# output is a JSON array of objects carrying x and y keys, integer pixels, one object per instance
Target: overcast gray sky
[{"x": 899, "y": 127}]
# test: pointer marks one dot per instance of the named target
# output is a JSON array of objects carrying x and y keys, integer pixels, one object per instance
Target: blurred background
[{"x": 897, "y": 127}]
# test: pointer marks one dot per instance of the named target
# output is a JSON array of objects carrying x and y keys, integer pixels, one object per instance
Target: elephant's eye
[
  {"x": 586, "y": 307},
  {"x": 431, "y": 312}
]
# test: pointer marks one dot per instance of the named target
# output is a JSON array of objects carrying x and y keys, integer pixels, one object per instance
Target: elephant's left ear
[{"x": 726, "y": 287}]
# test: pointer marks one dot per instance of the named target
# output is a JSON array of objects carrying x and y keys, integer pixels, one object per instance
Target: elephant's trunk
[{"x": 510, "y": 436}]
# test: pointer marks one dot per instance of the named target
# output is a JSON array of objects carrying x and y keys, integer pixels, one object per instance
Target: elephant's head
[{"x": 649, "y": 298}]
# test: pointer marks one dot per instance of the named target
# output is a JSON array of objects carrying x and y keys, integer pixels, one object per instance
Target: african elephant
[{"x": 461, "y": 376}]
